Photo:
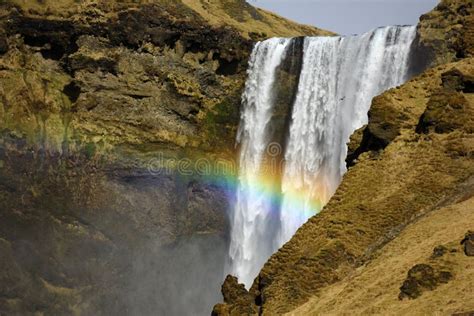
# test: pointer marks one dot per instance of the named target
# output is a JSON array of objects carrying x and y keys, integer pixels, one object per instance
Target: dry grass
[
  {"x": 237, "y": 14},
  {"x": 374, "y": 288},
  {"x": 270, "y": 24}
]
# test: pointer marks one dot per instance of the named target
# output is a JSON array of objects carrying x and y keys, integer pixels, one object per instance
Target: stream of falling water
[{"x": 338, "y": 79}]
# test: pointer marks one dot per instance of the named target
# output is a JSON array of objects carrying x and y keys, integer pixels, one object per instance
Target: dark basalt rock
[
  {"x": 439, "y": 251},
  {"x": 96, "y": 232},
  {"x": 55, "y": 38},
  {"x": 422, "y": 277},
  {"x": 79, "y": 61},
  {"x": 72, "y": 90},
  {"x": 132, "y": 28},
  {"x": 464, "y": 314},
  {"x": 468, "y": 243}
]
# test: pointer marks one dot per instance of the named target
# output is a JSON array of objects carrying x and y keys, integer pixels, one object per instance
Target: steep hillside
[
  {"x": 432, "y": 242},
  {"x": 238, "y": 14},
  {"x": 414, "y": 159},
  {"x": 253, "y": 22}
]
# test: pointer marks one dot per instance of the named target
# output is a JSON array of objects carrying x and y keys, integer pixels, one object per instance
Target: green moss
[
  {"x": 221, "y": 121},
  {"x": 90, "y": 150}
]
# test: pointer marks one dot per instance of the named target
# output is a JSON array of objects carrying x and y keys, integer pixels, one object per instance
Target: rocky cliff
[
  {"x": 389, "y": 241},
  {"x": 99, "y": 100}
]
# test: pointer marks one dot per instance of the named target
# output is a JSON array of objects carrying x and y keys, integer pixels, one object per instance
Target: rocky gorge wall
[{"x": 95, "y": 98}]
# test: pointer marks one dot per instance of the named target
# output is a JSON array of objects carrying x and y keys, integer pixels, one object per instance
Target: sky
[{"x": 349, "y": 16}]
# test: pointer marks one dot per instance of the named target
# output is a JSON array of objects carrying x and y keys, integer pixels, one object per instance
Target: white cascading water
[
  {"x": 252, "y": 238},
  {"x": 339, "y": 78}
]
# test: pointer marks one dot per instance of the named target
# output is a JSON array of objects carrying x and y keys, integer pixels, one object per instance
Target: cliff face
[
  {"x": 411, "y": 169},
  {"x": 180, "y": 72},
  {"x": 98, "y": 102},
  {"x": 446, "y": 33}
]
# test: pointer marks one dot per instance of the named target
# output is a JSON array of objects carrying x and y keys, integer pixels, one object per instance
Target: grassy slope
[
  {"x": 235, "y": 13},
  {"x": 374, "y": 287},
  {"x": 248, "y": 19}
]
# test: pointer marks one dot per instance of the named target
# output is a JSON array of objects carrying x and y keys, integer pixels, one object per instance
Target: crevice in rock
[
  {"x": 369, "y": 142},
  {"x": 48, "y": 48},
  {"x": 53, "y": 38},
  {"x": 137, "y": 96},
  {"x": 228, "y": 68},
  {"x": 72, "y": 90}
]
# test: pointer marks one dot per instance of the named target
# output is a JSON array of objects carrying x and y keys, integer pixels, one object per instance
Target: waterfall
[
  {"x": 252, "y": 238},
  {"x": 338, "y": 79}
]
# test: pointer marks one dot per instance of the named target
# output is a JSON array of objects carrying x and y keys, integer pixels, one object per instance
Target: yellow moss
[{"x": 185, "y": 85}]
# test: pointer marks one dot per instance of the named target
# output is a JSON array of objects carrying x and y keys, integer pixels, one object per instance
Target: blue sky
[{"x": 349, "y": 16}]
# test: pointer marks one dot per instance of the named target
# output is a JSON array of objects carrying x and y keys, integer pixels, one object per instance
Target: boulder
[
  {"x": 468, "y": 243},
  {"x": 423, "y": 277}
]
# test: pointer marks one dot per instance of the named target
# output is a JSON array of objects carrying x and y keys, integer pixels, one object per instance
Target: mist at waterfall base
[
  {"x": 183, "y": 279},
  {"x": 338, "y": 78}
]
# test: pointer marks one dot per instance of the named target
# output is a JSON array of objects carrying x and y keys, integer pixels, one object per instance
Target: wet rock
[
  {"x": 423, "y": 277},
  {"x": 468, "y": 243}
]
